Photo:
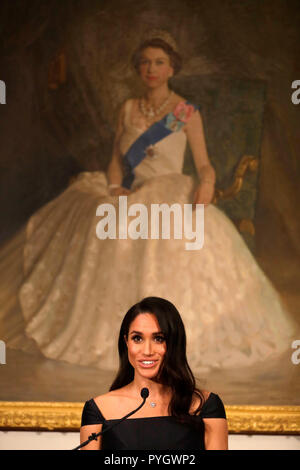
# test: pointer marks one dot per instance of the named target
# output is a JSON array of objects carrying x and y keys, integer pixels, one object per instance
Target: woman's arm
[
  {"x": 114, "y": 170},
  {"x": 195, "y": 134},
  {"x": 86, "y": 431},
  {"x": 216, "y": 434}
]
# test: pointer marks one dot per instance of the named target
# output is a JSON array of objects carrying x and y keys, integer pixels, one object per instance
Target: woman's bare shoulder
[
  {"x": 124, "y": 105},
  {"x": 178, "y": 98},
  {"x": 111, "y": 401},
  {"x": 205, "y": 394},
  {"x": 132, "y": 102},
  {"x": 199, "y": 400},
  {"x": 111, "y": 394},
  {"x": 110, "y": 397}
]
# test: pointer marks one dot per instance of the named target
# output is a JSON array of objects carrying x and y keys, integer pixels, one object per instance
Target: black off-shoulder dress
[{"x": 153, "y": 433}]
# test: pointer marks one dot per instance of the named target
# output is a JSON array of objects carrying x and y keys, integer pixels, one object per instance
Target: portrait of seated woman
[{"x": 77, "y": 285}]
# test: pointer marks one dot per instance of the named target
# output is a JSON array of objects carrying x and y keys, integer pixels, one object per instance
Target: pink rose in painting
[{"x": 183, "y": 111}]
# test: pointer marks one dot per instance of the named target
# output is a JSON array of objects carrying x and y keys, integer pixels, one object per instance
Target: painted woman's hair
[
  {"x": 175, "y": 371},
  {"x": 175, "y": 58}
]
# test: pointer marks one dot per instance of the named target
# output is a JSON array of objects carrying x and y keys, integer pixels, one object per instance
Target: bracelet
[{"x": 113, "y": 185}]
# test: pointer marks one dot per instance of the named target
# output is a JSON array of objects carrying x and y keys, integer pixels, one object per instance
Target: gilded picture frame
[{"x": 66, "y": 416}]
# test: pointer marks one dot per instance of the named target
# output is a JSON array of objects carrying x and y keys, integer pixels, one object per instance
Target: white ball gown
[{"x": 77, "y": 287}]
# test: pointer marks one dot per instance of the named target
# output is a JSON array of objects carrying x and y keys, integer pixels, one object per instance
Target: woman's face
[
  {"x": 155, "y": 67},
  {"x": 146, "y": 345}
]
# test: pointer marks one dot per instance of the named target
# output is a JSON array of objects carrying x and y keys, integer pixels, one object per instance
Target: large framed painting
[{"x": 67, "y": 278}]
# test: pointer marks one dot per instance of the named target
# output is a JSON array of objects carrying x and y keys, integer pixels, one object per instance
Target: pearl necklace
[{"x": 152, "y": 112}]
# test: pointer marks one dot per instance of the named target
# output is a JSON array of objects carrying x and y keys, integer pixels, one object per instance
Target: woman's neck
[
  {"x": 155, "y": 96},
  {"x": 156, "y": 391}
]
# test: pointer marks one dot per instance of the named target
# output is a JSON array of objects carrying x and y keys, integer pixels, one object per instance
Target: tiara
[{"x": 161, "y": 34}]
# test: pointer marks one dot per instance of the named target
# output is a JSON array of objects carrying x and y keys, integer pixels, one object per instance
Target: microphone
[
  {"x": 145, "y": 393},
  {"x": 93, "y": 436}
]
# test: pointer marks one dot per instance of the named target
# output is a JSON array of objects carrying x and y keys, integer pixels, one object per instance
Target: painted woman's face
[
  {"x": 146, "y": 345},
  {"x": 155, "y": 67}
]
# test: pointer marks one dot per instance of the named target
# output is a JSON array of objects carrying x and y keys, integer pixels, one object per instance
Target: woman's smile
[{"x": 148, "y": 364}]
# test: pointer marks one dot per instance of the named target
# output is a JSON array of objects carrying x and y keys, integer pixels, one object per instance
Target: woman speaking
[{"x": 176, "y": 415}]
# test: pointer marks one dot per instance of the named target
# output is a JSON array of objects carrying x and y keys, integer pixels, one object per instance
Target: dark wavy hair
[
  {"x": 175, "y": 58},
  {"x": 175, "y": 371}
]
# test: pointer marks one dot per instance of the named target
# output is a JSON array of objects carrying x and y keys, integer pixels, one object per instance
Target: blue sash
[{"x": 138, "y": 150}]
